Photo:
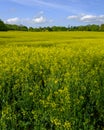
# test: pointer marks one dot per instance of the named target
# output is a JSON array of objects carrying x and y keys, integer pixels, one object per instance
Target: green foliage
[
  {"x": 102, "y": 27},
  {"x": 93, "y": 27},
  {"x": 51, "y": 81},
  {"x": 16, "y": 27},
  {"x": 2, "y": 26}
]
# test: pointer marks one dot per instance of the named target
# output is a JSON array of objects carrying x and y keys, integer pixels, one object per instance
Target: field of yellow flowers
[{"x": 51, "y": 81}]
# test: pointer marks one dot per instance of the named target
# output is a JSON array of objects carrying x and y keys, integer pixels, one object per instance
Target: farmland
[{"x": 52, "y": 80}]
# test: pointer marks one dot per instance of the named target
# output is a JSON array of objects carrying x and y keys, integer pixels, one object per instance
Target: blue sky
[{"x": 38, "y": 13}]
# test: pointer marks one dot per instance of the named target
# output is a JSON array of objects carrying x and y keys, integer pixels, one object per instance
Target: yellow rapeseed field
[{"x": 51, "y": 80}]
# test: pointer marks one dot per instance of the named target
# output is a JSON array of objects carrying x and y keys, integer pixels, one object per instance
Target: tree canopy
[
  {"x": 14, "y": 27},
  {"x": 2, "y": 26}
]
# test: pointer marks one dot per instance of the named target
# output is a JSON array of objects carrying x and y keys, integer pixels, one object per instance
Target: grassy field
[{"x": 51, "y": 81}]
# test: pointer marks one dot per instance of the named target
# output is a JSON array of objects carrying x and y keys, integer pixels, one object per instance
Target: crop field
[{"x": 51, "y": 80}]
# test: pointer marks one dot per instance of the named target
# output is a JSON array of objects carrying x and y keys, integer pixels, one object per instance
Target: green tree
[
  {"x": 22, "y": 28},
  {"x": 2, "y": 26},
  {"x": 102, "y": 27},
  {"x": 12, "y": 27},
  {"x": 31, "y": 29}
]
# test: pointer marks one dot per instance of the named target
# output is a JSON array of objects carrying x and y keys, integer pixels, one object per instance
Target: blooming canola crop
[{"x": 51, "y": 80}]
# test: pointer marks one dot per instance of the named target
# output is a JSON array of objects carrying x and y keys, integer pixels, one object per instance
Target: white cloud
[
  {"x": 39, "y": 20},
  {"x": 87, "y": 18},
  {"x": 72, "y": 17},
  {"x": 101, "y": 18},
  {"x": 15, "y": 20}
]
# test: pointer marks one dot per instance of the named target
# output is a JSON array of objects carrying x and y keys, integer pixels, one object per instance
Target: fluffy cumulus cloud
[
  {"x": 87, "y": 18},
  {"x": 15, "y": 20},
  {"x": 39, "y": 20}
]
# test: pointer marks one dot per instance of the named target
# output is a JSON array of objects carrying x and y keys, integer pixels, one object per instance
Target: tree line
[{"x": 14, "y": 27}]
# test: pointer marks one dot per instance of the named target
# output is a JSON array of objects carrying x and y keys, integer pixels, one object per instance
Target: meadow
[{"x": 51, "y": 80}]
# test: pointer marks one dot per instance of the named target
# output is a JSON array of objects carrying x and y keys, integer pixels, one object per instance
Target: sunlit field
[{"x": 51, "y": 81}]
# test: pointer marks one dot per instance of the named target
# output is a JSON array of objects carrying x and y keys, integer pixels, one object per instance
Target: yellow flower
[
  {"x": 67, "y": 124},
  {"x": 56, "y": 81},
  {"x": 31, "y": 93}
]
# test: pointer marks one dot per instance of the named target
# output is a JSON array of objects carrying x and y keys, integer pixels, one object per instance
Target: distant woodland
[{"x": 14, "y": 27}]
